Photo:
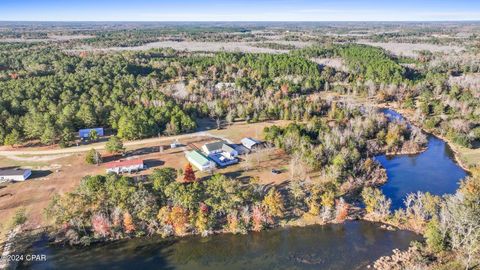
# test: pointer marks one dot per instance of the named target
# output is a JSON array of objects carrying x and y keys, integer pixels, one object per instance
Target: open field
[
  {"x": 194, "y": 46},
  {"x": 469, "y": 157},
  {"x": 59, "y": 173},
  {"x": 411, "y": 49},
  {"x": 50, "y": 38}
]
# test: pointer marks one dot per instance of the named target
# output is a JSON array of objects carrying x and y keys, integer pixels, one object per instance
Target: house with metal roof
[
  {"x": 212, "y": 148},
  {"x": 200, "y": 161},
  {"x": 15, "y": 175},
  {"x": 125, "y": 166}
]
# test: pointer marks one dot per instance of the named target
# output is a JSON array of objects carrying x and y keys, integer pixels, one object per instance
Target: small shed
[
  {"x": 84, "y": 133},
  {"x": 250, "y": 143},
  {"x": 175, "y": 144},
  {"x": 15, "y": 174},
  {"x": 200, "y": 161},
  {"x": 125, "y": 166}
]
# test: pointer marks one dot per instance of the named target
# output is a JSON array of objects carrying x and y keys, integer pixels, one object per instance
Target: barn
[
  {"x": 125, "y": 166},
  {"x": 15, "y": 174}
]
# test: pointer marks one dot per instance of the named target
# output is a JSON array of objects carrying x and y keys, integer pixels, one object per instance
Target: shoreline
[{"x": 404, "y": 113}]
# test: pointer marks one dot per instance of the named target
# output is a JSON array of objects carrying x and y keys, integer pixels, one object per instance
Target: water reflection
[
  {"x": 433, "y": 171},
  {"x": 352, "y": 245}
]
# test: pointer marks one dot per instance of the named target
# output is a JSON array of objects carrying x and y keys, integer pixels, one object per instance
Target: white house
[
  {"x": 250, "y": 143},
  {"x": 213, "y": 148},
  {"x": 200, "y": 161},
  {"x": 125, "y": 166},
  {"x": 15, "y": 174}
]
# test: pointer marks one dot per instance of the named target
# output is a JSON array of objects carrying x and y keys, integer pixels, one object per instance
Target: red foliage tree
[
  {"x": 203, "y": 207},
  {"x": 258, "y": 217},
  {"x": 101, "y": 225},
  {"x": 341, "y": 210},
  {"x": 188, "y": 174}
]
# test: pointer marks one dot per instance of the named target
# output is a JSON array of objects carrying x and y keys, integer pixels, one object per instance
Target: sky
[{"x": 246, "y": 10}]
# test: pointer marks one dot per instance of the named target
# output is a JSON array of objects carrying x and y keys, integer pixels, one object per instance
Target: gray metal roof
[
  {"x": 227, "y": 148},
  {"x": 12, "y": 172},
  {"x": 214, "y": 146},
  {"x": 249, "y": 142}
]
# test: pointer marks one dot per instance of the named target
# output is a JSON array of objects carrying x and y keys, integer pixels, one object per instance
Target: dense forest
[{"x": 48, "y": 94}]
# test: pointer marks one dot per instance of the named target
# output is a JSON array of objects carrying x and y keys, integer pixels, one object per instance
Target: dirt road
[{"x": 101, "y": 145}]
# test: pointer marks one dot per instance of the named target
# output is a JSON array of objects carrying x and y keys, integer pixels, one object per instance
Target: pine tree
[
  {"x": 115, "y": 145},
  {"x": 93, "y": 157}
]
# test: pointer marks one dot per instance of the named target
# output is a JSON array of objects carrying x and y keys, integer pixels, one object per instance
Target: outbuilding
[
  {"x": 85, "y": 133},
  {"x": 250, "y": 143},
  {"x": 125, "y": 166},
  {"x": 15, "y": 174},
  {"x": 200, "y": 161}
]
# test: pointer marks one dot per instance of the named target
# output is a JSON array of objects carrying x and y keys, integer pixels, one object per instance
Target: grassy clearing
[{"x": 469, "y": 157}]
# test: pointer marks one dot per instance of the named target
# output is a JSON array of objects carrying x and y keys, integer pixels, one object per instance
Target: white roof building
[
  {"x": 15, "y": 174},
  {"x": 200, "y": 161},
  {"x": 249, "y": 143}
]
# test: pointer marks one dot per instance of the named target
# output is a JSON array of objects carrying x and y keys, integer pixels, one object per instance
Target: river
[{"x": 352, "y": 245}]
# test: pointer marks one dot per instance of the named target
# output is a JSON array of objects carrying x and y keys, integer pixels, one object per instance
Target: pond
[
  {"x": 352, "y": 245},
  {"x": 434, "y": 170}
]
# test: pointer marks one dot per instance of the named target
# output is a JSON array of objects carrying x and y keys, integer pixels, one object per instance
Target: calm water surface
[
  {"x": 434, "y": 170},
  {"x": 352, "y": 245}
]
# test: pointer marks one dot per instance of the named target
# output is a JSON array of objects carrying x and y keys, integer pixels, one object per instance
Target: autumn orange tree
[
  {"x": 188, "y": 173},
  {"x": 128, "y": 222},
  {"x": 179, "y": 218}
]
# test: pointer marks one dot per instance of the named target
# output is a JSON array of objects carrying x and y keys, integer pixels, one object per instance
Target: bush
[
  {"x": 20, "y": 217},
  {"x": 434, "y": 238},
  {"x": 93, "y": 157}
]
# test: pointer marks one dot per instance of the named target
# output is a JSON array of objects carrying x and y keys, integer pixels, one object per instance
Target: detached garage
[{"x": 15, "y": 175}]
